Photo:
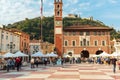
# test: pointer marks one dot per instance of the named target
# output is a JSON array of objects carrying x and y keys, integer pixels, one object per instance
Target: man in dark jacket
[{"x": 114, "y": 60}]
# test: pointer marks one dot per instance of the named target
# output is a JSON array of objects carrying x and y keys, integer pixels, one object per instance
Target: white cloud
[
  {"x": 100, "y": 4},
  {"x": 85, "y": 5},
  {"x": 113, "y": 1},
  {"x": 66, "y": 5},
  {"x": 74, "y": 2},
  {"x": 71, "y": 1},
  {"x": 13, "y": 10}
]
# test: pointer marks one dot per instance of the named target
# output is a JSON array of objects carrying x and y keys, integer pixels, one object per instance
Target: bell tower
[{"x": 58, "y": 27}]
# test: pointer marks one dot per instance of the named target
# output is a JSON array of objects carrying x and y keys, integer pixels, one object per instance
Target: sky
[{"x": 107, "y": 11}]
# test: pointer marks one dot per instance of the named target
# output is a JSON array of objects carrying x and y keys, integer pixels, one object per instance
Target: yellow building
[{"x": 47, "y": 47}]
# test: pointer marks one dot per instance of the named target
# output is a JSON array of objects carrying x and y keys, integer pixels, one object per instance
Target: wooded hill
[{"x": 33, "y": 27}]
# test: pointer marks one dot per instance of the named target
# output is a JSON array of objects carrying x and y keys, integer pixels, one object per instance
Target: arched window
[
  {"x": 66, "y": 43},
  {"x": 98, "y": 52},
  {"x": 85, "y": 54},
  {"x": 58, "y": 13},
  {"x": 103, "y": 43},
  {"x": 81, "y": 43},
  {"x": 73, "y": 43},
  {"x": 84, "y": 42},
  {"x": 96, "y": 43},
  {"x": 58, "y": 6},
  {"x": 70, "y": 53}
]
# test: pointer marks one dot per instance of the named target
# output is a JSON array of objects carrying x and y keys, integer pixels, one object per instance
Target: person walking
[
  {"x": 12, "y": 64},
  {"x": 118, "y": 62},
  {"x": 37, "y": 60},
  {"x": 17, "y": 62},
  {"x": 20, "y": 66},
  {"x": 32, "y": 62},
  {"x": 114, "y": 60},
  {"x": 8, "y": 64},
  {"x": 45, "y": 61}
]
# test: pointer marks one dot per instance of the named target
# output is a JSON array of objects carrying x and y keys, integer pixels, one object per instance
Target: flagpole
[
  {"x": 41, "y": 18},
  {"x": 41, "y": 13}
]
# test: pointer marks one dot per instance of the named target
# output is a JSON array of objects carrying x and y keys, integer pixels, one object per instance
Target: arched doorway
[
  {"x": 98, "y": 52},
  {"x": 84, "y": 54},
  {"x": 70, "y": 53}
]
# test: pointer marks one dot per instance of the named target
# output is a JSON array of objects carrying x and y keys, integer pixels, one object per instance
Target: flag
[{"x": 41, "y": 9}]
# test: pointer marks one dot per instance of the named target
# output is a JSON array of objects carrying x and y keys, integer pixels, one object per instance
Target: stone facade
[
  {"x": 34, "y": 46},
  {"x": 24, "y": 41},
  {"x": 47, "y": 47},
  {"x": 116, "y": 45},
  {"x": 9, "y": 41},
  {"x": 86, "y": 37}
]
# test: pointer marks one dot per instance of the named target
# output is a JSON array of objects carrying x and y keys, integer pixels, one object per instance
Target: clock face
[{"x": 58, "y": 23}]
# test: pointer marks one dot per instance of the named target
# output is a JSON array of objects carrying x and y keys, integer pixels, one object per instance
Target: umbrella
[
  {"x": 95, "y": 55},
  {"x": 47, "y": 55},
  {"x": 66, "y": 55},
  {"x": 19, "y": 53},
  {"x": 115, "y": 54},
  {"x": 8, "y": 55},
  {"x": 38, "y": 54},
  {"x": 53, "y": 54},
  {"x": 104, "y": 54}
]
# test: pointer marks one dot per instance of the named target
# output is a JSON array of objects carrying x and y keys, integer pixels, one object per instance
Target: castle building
[
  {"x": 72, "y": 16},
  {"x": 82, "y": 40}
]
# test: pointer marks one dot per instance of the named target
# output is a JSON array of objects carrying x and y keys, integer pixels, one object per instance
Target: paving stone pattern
[{"x": 82, "y": 71}]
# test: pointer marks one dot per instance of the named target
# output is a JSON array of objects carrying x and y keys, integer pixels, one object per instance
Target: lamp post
[
  {"x": 35, "y": 47},
  {"x": 11, "y": 46}
]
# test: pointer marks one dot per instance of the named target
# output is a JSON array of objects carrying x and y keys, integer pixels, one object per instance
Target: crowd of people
[
  {"x": 35, "y": 61},
  {"x": 16, "y": 63},
  {"x": 12, "y": 63},
  {"x": 115, "y": 61}
]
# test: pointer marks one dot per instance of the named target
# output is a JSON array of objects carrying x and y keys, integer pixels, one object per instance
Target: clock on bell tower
[{"x": 58, "y": 27}]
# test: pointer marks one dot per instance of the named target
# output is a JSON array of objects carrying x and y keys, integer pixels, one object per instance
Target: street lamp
[
  {"x": 11, "y": 46},
  {"x": 36, "y": 48}
]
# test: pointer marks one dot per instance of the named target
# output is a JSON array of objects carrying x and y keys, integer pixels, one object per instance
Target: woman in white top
[{"x": 32, "y": 62}]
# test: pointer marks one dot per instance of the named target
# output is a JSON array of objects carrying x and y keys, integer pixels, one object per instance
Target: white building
[
  {"x": 9, "y": 41},
  {"x": 117, "y": 45}
]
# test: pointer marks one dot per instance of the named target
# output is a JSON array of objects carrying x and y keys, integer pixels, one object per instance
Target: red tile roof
[{"x": 86, "y": 27}]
